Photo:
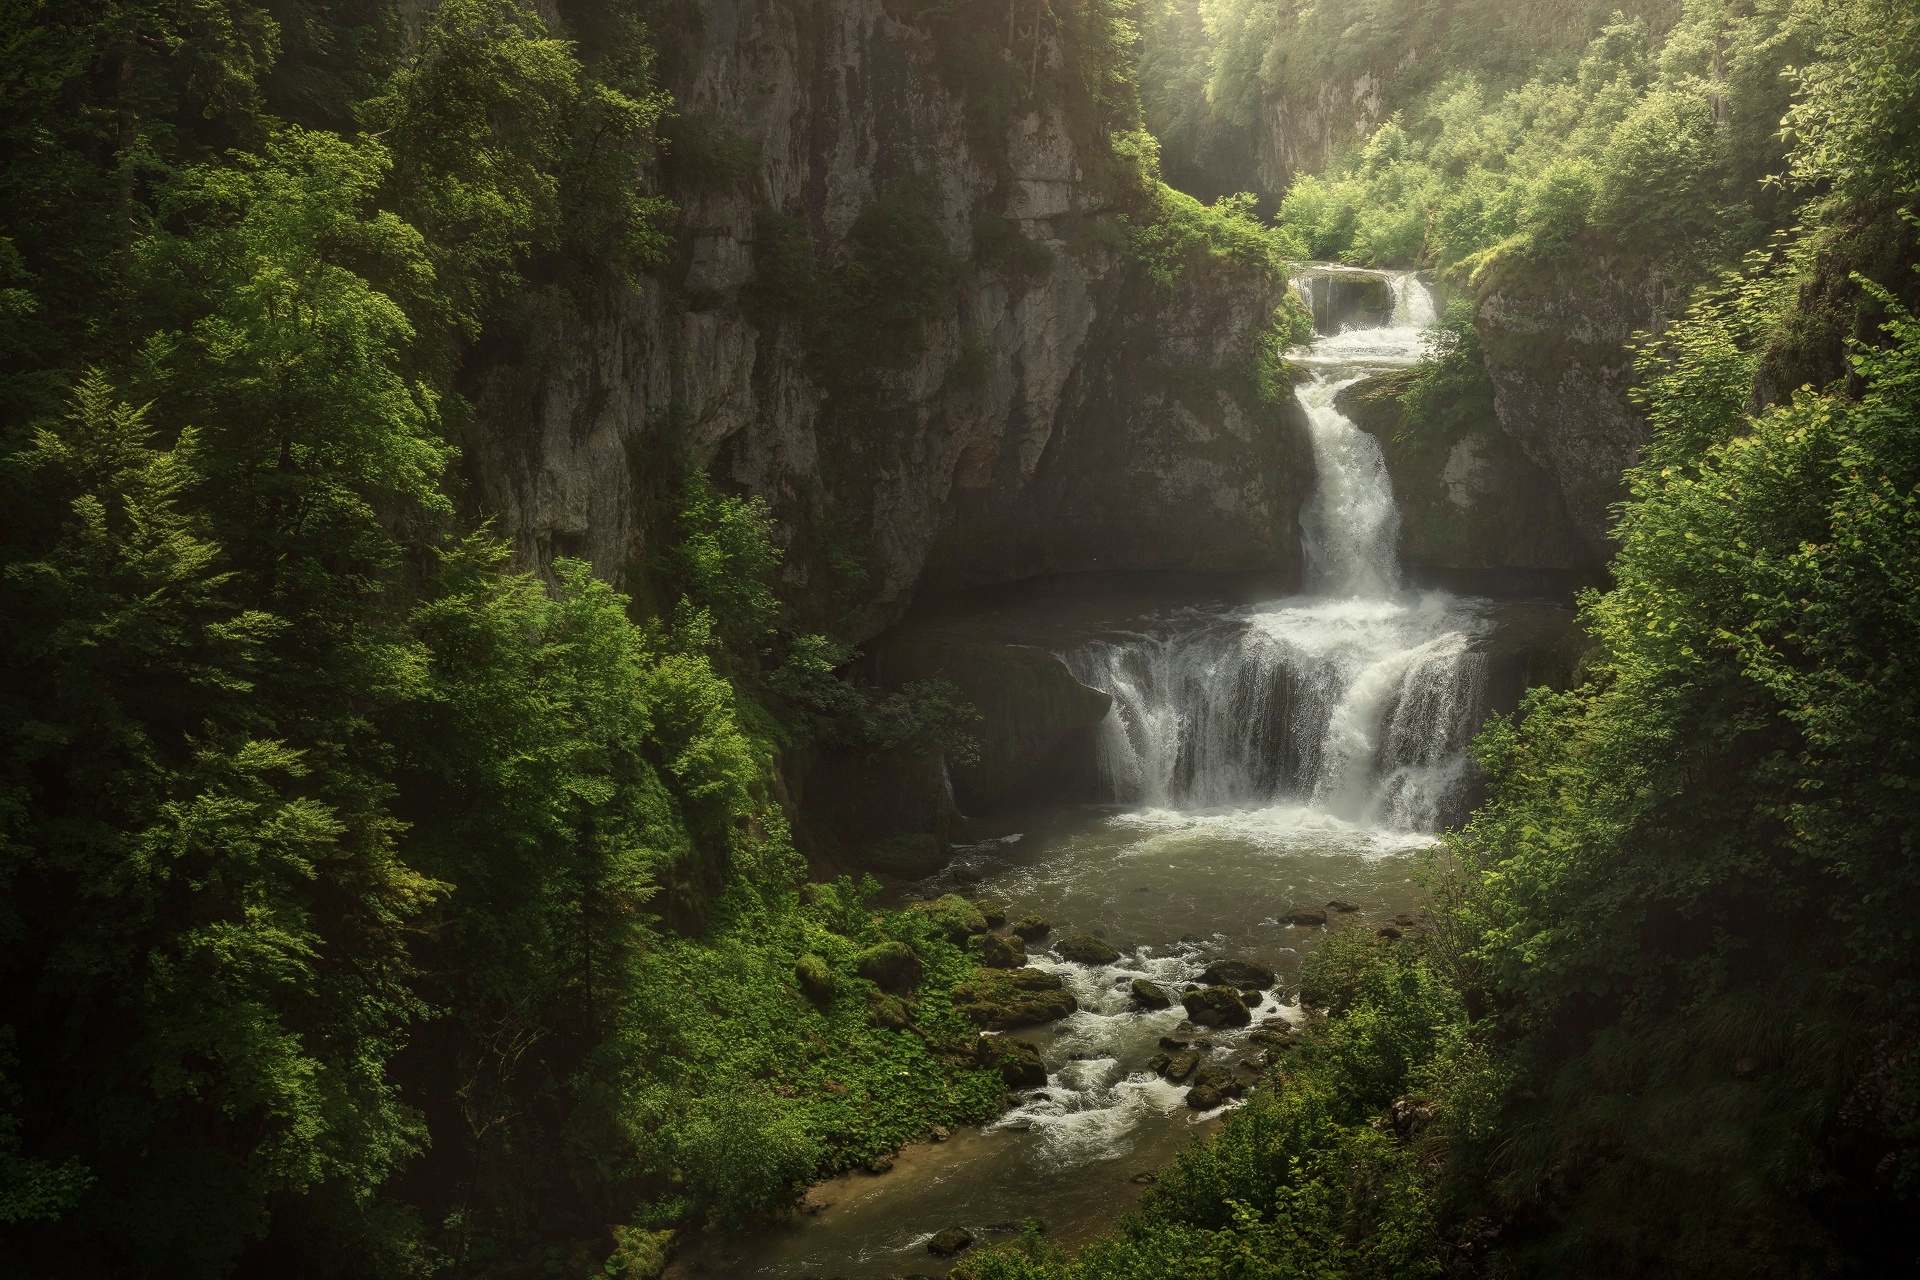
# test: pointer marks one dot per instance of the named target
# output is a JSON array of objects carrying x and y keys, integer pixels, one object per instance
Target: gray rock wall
[{"x": 1072, "y": 418}]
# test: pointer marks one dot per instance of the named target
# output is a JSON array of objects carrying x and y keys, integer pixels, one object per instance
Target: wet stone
[
  {"x": 1308, "y": 916},
  {"x": 1204, "y": 1097},
  {"x": 1238, "y": 973},
  {"x": 1216, "y": 1007},
  {"x": 1171, "y": 1043},
  {"x": 1000, "y": 952},
  {"x": 1158, "y": 1063},
  {"x": 1084, "y": 948},
  {"x": 1149, "y": 995},
  {"x": 1390, "y": 933},
  {"x": 1032, "y": 928},
  {"x": 1344, "y": 908},
  {"x": 992, "y": 912},
  {"x": 1181, "y": 1065},
  {"x": 950, "y": 1241}
]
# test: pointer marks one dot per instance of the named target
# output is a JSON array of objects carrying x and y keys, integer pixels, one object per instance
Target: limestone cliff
[
  {"x": 1476, "y": 512},
  {"x": 1042, "y": 406},
  {"x": 1555, "y": 338}
]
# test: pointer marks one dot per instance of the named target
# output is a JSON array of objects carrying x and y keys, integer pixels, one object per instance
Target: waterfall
[{"x": 1357, "y": 699}]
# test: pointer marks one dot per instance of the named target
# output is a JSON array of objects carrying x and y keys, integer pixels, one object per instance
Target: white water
[{"x": 1356, "y": 699}]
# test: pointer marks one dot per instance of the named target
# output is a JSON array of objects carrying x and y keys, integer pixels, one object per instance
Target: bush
[{"x": 745, "y": 1155}]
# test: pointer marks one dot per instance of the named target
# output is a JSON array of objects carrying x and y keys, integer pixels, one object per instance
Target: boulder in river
[
  {"x": 949, "y": 1242},
  {"x": 997, "y": 951},
  {"x": 1003, "y": 998},
  {"x": 1238, "y": 973},
  {"x": 1017, "y": 1061},
  {"x": 1158, "y": 1063},
  {"x": 1084, "y": 948},
  {"x": 891, "y": 966},
  {"x": 1390, "y": 933},
  {"x": 1181, "y": 1065},
  {"x": 992, "y": 912},
  {"x": 1216, "y": 1007},
  {"x": 1148, "y": 995},
  {"x": 1344, "y": 908},
  {"x": 1215, "y": 1076},
  {"x": 1174, "y": 1043},
  {"x": 1204, "y": 1097},
  {"x": 952, "y": 917},
  {"x": 1309, "y": 916},
  {"x": 1032, "y": 928}
]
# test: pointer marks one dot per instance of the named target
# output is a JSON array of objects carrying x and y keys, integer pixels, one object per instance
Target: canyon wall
[{"x": 1050, "y": 408}]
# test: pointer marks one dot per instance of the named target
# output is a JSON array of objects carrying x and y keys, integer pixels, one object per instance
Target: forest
[{"x": 385, "y": 898}]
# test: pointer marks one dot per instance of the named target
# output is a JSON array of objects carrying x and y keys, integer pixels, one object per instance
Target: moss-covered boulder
[
  {"x": 1084, "y": 948},
  {"x": 1032, "y": 928},
  {"x": 887, "y": 1012},
  {"x": 952, "y": 917},
  {"x": 998, "y": 951},
  {"x": 1017, "y": 1061},
  {"x": 951, "y": 1240},
  {"x": 1181, "y": 1065},
  {"x": 1000, "y": 999},
  {"x": 815, "y": 978},
  {"x": 1204, "y": 1097},
  {"x": 1244, "y": 974},
  {"x": 1150, "y": 995},
  {"x": 891, "y": 966},
  {"x": 992, "y": 912},
  {"x": 1216, "y": 1007}
]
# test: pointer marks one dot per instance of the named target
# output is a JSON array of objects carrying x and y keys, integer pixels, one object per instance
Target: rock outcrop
[
  {"x": 1050, "y": 409},
  {"x": 1555, "y": 338},
  {"x": 1476, "y": 512}
]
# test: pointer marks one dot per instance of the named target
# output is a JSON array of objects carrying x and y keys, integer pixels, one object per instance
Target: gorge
[{"x": 1021, "y": 639}]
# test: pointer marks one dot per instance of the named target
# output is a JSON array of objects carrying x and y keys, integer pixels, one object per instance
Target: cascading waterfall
[{"x": 1357, "y": 698}]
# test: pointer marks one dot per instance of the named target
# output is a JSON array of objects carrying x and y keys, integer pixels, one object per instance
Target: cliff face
[
  {"x": 1051, "y": 410},
  {"x": 1475, "y": 511},
  {"x": 1555, "y": 340}
]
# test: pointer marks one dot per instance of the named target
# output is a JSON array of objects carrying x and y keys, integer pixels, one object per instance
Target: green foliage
[
  {"x": 1450, "y": 391},
  {"x": 1654, "y": 145},
  {"x": 368, "y": 902},
  {"x": 1179, "y": 233}
]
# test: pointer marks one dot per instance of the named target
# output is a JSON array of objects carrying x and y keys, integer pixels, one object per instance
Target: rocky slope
[{"x": 1048, "y": 409}]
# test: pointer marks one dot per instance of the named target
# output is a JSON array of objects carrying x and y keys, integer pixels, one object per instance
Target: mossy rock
[
  {"x": 1000, "y": 952},
  {"x": 1017, "y": 1061},
  {"x": 1244, "y": 974},
  {"x": 1216, "y": 1007},
  {"x": 887, "y": 1012},
  {"x": 992, "y": 912},
  {"x": 1000, "y": 999},
  {"x": 950, "y": 1241},
  {"x": 892, "y": 966},
  {"x": 952, "y": 917},
  {"x": 1032, "y": 928},
  {"x": 815, "y": 978},
  {"x": 1150, "y": 995},
  {"x": 1084, "y": 948},
  {"x": 1181, "y": 1065},
  {"x": 1204, "y": 1097}
]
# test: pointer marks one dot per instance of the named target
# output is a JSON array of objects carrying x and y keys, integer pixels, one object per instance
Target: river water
[{"x": 1259, "y": 758}]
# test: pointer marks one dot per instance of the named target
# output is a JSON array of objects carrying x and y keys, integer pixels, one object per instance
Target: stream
[{"x": 1260, "y": 758}]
